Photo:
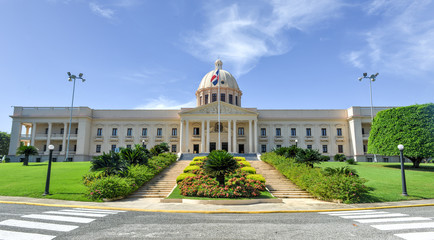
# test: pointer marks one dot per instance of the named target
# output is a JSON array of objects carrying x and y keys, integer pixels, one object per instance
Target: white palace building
[{"x": 193, "y": 130}]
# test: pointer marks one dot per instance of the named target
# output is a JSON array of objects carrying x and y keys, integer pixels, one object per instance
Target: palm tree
[
  {"x": 110, "y": 164},
  {"x": 138, "y": 155},
  {"x": 27, "y": 151},
  {"x": 220, "y": 163}
]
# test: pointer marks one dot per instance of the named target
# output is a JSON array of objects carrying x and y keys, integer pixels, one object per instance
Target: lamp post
[
  {"x": 296, "y": 142},
  {"x": 143, "y": 143},
  {"x": 371, "y": 78},
  {"x": 47, "y": 183},
  {"x": 72, "y": 77},
  {"x": 401, "y": 157}
]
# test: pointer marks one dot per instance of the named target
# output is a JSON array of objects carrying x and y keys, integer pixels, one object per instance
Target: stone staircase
[
  {"x": 278, "y": 184},
  {"x": 162, "y": 184}
]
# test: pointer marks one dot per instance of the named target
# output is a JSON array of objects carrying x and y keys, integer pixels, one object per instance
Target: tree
[
  {"x": 339, "y": 157},
  {"x": 110, "y": 164},
  {"x": 160, "y": 148},
  {"x": 411, "y": 126},
  {"x": 138, "y": 155},
  {"x": 27, "y": 151},
  {"x": 219, "y": 163},
  {"x": 4, "y": 143},
  {"x": 288, "y": 152},
  {"x": 308, "y": 157}
]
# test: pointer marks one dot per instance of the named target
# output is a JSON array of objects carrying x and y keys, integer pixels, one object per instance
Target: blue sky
[{"x": 299, "y": 54}]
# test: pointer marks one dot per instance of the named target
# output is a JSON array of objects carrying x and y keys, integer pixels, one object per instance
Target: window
[
  {"x": 216, "y": 127},
  {"x": 293, "y": 132},
  {"x": 369, "y": 159},
  {"x": 159, "y": 132},
  {"x": 196, "y": 131},
  {"x": 323, "y": 131},
  {"x": 114, "y": 147},
  {"x": 45, "y": 148},
  {"x": 236, "y": 100},
  {"x": 240, "y": 131},
  {"x": 200, "y": 102},
  {"x": 278, "y": 132},
  {"x": 214, "y": 97},
  {"x": 173, "y": 148},
  {"x": 114, "y": 132},
  {"x": 222, "y": 97},
  {"x": 363, "y": 130},
  {"x": 309, "y": 146},
  {"x": 364, "y": 148},
  {"x": 46, "y": 131},
  {"x": 308, "y": 132},
  {"x": 62, "y": 130},
  {"x": 230, "y": 99},
  {"x": 263, "y": 132},
  {"x": 339, "y": 131},
  {"x": 385, "y": 159},
  {"x": 129, "y": 132},
  {"x": 76, "y": 130},
  {"x": 278, "y": 146},
  {"x": 144, "y": 132},
  {"x": 99, "y": 132},
  {"x": 340, "y": 148},
  {"x": 206, "y": 99},
  {"x": 129, "y": 146},
  {"x": 174, "y": 132},
  {"x": 60, "y": 147},
  {"x": 324, "y": 148},
  {"x": 263, "y": 148},
  {"x": 98, "y": 148},
  {"x": 75, "y": 147}
]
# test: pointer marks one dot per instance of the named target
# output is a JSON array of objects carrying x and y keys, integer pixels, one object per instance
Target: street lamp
[
  {"x": 296, "y": 142},
  {"x": 70, "y": 78},
  {"x": 401, "y": 157},
  {"x": 143, "y": 143},
  {"x": 47, "y": 183},
  {"x": 371, "y": 78}
]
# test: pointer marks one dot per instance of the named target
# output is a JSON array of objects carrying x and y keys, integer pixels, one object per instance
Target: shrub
[
  {"x": 340, "y": 171},
  {"x": 339, "y": 158},
  {"x": 288, "y": 152},
  {"x": 248, "y": 170},
  {"x": 110, "y": 164},
  {"x": 193, "y": 163},
  {"x": 138, "y": 155},
  {"x": 220, "y": 163},
  {"x": 308, "y": 157},
  {"x": 160, "y": 148},
  {"x": 110, "y": 187},
  {"x": 140, "y": 173},
  {"x": 7, "y": 160},
  {"x": 351, "y": 161},
  {"x": 191, "y": 168},
  {"x": 199, "y": 158},
  {"x": 182, "y": 176},
  {"x": 325, "y": 158},
  {"x": 256, "y": 177},
  {"x": 240, "y": 158},
  {"x": 89, "y": 177},
  {"x": 244, "y": 163}
]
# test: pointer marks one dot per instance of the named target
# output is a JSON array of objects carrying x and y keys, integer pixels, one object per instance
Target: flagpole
[{"x": 218, "y": 110}]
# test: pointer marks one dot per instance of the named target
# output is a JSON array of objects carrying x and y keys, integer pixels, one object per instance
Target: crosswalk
[
  {"x": 50, "y": 222},
  {"x": 386, "y": 221}
]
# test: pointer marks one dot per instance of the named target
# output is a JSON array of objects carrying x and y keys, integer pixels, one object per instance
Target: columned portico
[
  {"x": 229, "y": 136},
  {"x": 202, "y": 136},
  {"x": 250, "y": 137},
  {"x": 235, "y": 136}
]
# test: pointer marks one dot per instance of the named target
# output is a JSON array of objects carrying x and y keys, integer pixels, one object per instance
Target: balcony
[
  {"x": 324, "y": 138},
  {"x": 25, "y": 136},
  {"x": 114, "y": 138},
  {"x": 263, "y": 139},
  {"x": 340, "y": 139},
  {"x": 278, "y": 138},
  {"x": 99, "y": 138},
  {"x": 159, "y": 138},
  {"x": 129, "y": 139},
  {"x": 41, "y": 136},
  {"x": 241, "y": 137},
  {"x": 308, "y": 139},
  {"x": 174, "y": 138}
]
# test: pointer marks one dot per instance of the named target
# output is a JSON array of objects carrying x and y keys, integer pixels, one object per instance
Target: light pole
[
  {"x": 296, "y": 142},
  {"x": 401, "y": 157},
  {"x": 143, "y": 143},
  {"x": 72, "y": 77},
  {"x": 47, "y": 183},
  {"x": 371, "y": 78}
]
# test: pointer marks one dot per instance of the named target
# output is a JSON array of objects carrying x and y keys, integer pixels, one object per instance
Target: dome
[{"x": 227, "y": 80}]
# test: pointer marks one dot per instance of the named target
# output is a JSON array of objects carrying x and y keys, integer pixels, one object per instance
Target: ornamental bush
[
  {"x": 193, "y": 163},
  {"x": 257, "y": 177},
  {"x": 182, "y": 176},
  {"x": 240, "y": 158},
  {"x": 199, "y": 158},
  {"x": 244, "y": 163},
  {"x": 345, "y": 187},
  {"x": 110, "y": 187},
  {"x": 249, "y": 170},
  {"x": 339, "y": 157},
  {"x": 219, "y": 163},
  {"x": 191, "y": 168}
]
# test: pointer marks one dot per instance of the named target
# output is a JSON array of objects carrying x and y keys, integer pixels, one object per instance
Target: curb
[{"x": 223, "y": 211}]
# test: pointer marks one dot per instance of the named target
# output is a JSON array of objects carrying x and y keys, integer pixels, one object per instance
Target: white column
[
  {"x": 202, "y": 137},
  {"x": 181, "y": 137},
  {"x": 65, "y": 125},
  {"x": 229, "y": 136},
  {"x": 48, "y": 137},
  {"x": 235, "y": 136},
  {"x": 32, "y": 139},
  {"x": 187, "y": 139},
  {"x": 255, "y": 135},
  {"x": 250, "y": 137},
  {"x": 207, "y": 136}
]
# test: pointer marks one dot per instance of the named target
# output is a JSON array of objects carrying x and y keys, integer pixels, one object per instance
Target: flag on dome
[{"x": 215, "y": 77}]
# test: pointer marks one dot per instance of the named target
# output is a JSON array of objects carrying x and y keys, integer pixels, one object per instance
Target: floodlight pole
[{"x": 72, "y": 78}]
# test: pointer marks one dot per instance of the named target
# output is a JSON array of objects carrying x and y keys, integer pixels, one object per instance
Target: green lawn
[
  {"x": 385, "y": 179},
  {"x": 29, "y": 181},
  {"x": 176, "y": 194}
]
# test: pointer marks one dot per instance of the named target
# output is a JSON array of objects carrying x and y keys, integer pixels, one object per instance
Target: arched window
[{"x": 216, "y": 127}]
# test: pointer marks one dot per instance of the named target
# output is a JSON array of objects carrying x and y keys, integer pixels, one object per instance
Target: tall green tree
[
  {"x": 411, "y": 126},
  {"x": 308, "y": 157},
  {"x": 138, "y": 155},
  {"x": 4, "y": 143},
  {"x": 27, "y": 151}
]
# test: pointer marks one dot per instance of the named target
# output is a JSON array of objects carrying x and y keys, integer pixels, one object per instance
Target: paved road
[{"x": 18, "y": 221}]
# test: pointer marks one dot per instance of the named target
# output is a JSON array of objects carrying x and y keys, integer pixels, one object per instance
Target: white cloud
[
  {"x": 244, "y": 34},
  {"x": 163, "y": 102},
  {"x": 98, "y": 10},
  {"x": 403, "y": 40}
]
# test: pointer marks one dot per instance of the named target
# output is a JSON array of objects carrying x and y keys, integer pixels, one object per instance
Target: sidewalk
[{"x": 154, "y": 205}]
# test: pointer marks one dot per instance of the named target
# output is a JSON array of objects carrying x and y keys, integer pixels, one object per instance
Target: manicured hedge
[
  {"x": 346, "y": 188},
  {"x": 249, "y": 170},
  {"x": 257, "y": 177},
  {"x": 240, "y": 158},
  {"x": 244, "y": 163},
  {"x": 199, "y": 158},
  {"x": 182, "y": 176},
  {"x": 191, "y": 168}
]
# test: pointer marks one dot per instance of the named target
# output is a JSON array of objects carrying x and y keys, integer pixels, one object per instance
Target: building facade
[{"x": 193, "y": 130}]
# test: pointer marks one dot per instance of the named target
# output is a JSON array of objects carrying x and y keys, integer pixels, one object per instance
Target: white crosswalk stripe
[
  {"x": 402, "y": 226},
  {"x": 100, "y": 210},
  {"x": 82, "y": 211},
  {"x": 359, "y": 213},
  {"x": 38, "y": 225},
  {"x": 11, "y": 235},
  {"x": 77, "y": 214},
  {"x": 417, "y": 236},
  {"x": 375, "y": 216},
  {"x": 403, "y": 219},
  {"x": 356, "y": 211},
  {"x": 59, "y": 218}
]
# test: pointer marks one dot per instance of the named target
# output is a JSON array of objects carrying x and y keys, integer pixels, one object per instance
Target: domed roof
[{"x": 227, "y": 80}]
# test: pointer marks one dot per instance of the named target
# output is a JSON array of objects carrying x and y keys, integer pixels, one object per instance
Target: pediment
[{"x": 212, "y": 108}]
